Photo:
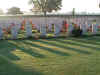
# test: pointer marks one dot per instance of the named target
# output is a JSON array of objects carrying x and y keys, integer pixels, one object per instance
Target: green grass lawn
[{"x": 56, "y": 56}]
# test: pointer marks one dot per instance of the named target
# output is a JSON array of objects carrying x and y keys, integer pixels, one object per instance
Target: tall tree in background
[
  {"x": 46, "y": 5},
  {"x": 14, "y": 11},
  {"x": 73, "y": 12}
]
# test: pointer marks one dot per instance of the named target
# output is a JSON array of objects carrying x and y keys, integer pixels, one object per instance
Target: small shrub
[{"x": 77, "y": 32}]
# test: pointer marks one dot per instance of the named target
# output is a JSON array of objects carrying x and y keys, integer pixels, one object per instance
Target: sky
[{"x": 67, "y": 5}]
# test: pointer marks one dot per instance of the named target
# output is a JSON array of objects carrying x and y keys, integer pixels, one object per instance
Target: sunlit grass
[{"x": 56, "y": 56}]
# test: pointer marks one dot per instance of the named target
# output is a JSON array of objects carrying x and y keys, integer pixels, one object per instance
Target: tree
[
  {"x": 73, "y": 12},
  {"x": 46, "y": 5},
  {"x": 14, "y": 11}
]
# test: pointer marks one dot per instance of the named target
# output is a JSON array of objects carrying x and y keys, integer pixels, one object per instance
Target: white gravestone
[
  {"x": 50, "y": 22},
  {"x": 35, "y": 21},
  {"x": 70, "y": 28},
  {"x": 94, "y": 28},
  {"x": 1, "y": 33},
  {"x": 43, "y": 27},
  {"x": 28, "y": 29},
  {"x": 18, "y": 23},
  {"x": 43, "y": 30},
  {"x": 58, "y": 27},
  {"x": 84, "y": 28},
  {"x": 14, "y": 31},
  {"x": 57, "y": 30}
]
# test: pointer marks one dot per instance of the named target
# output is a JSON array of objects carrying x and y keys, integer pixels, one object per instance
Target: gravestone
[
  {"x": 84, "y": 28},
  {"x": 70, "y": 28},
  {"x": 57, "y": 29},
  {"x": 28, "y": 28},
  {"x": 43, "y": 27},
  {"x": 1, "y": 33},
  {"x": 51, "y": 24},
  {"x": 48, "y": 25},
  {"x": 18, "y": 23},
  {"x": 14, "y": 31},
  {"x": 94, "y": 29},
  {"x": 58, "y": 26}
]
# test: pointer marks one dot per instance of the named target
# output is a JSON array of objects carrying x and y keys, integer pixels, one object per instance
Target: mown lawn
[{"x": 56, "y": 56}]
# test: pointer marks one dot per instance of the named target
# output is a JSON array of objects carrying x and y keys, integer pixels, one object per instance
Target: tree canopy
[
  {"x": 14, "y": 11},
  {"x": 46, "y": 5}
]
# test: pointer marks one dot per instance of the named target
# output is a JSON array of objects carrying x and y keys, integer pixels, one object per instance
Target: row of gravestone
[{"x": 15, "y": 27}]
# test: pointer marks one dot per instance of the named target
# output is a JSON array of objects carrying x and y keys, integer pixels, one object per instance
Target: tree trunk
[{"x": 45, "y": 13}]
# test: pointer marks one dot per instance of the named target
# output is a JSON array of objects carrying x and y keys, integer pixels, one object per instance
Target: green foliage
[
  {"x": 77, "y": 32},
  {"x": 46, "y": 5},
  {"x": 73, "y": 12}
]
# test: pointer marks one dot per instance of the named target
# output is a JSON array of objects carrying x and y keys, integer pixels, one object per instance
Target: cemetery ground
[{"x": 55, "y": 56}]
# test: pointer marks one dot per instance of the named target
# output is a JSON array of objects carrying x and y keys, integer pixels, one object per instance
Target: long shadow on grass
[
  {"x": 29, "y": 51},
  {"x": 95, "y": 38},
  {"x": 91, "y": 42},
  {"x": 6, "y": 48},
  {"x": 81, "y": 45},
  {"x": 48, "y": 49},
  {"x": 65, "y": 47},
  {"x": 9, "y": 68}
]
